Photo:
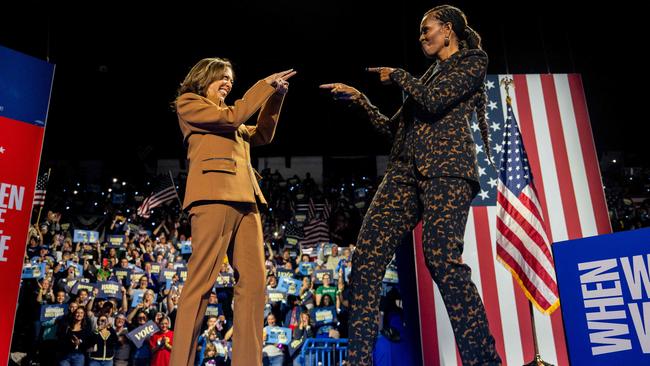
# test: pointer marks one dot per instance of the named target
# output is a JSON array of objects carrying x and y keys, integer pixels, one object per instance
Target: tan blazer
[{"x": 219, "y": 143}]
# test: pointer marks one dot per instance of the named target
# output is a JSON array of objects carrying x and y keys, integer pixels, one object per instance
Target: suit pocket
[{"x": 223, "y": 165}]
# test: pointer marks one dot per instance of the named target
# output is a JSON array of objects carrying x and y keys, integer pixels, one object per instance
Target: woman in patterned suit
[{"x": 432, "y": 176}]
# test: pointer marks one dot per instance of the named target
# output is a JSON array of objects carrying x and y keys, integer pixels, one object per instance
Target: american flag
[
  {"x": 164, "y": 190},
  {"x": 522, "y": 243},
  {"x": 311, "y": 209},
  {"x": 41, "y": 187},
  {"x": 552, "y": 115},
  {"x": 316, "y": 232},
  {"x": 327, "y": 210}
]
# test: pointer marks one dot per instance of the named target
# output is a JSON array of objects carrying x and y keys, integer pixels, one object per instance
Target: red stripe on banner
[
  {"x": 459, "y": 361},
  {"x": 561, "y": 157},
  {"x": 525, "y": 325},
  {"x": 567, "y": 194},
  {"x": 530, "y": 259},
  {"x": 428, "y": 325},
  {"x": 589, "y": 155},
  {"x": 488, "y": 277},
  {"x": 512, "y": 263},
  {"x": 527, "y": 130},
  {"x": 558, "y": 336}
]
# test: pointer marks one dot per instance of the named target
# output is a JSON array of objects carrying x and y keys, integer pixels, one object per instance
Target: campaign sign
[
  {"x": 109, "y": 289},
  {"x": 391, "y": 275},
  {"x": 85, "y": 236},
  {"x": 307, "y": 268},
  {"x": 225, "y": 279},
  {"x": 182, "y": 273},
  {"x": 276, "y": 296},
  {"x": 278, "y": 335},
  {"x": 123, "y": 275},
  {"x": 604, "y": 284},
  {"x": 142, "y": 333},
  {"x": 82, "y": 284},
  {"x": 318, "y": 276},
  {"x": 36, "y": 271},
  {"x": 25, "y": 84},
  {"x": 138, "y": 296},
  {"x": 281, "y": 272},
  {"x": 323, "y": 316},
  {"x": 213, "y": 309},
  {"x": 166, "y": 275},
  {"x": 49, "y": 312},
  {"x": 115, "y": 241},
  {"x": 290, "y": 286},
  {"x": 186, "y": 247},
  {"x": 156, "y": 267},
  {"x": 79, "y": 269}
]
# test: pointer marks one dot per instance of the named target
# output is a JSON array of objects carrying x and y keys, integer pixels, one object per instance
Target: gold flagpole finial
[{"x": 507, "y": 82}]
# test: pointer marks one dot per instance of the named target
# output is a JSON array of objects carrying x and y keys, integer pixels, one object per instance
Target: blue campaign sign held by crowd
[
  {"x": 85, "y": 236},
  {"x": 604, "y": 284},
  {"x": 323, "y": 316},
  {"x": 278, "y": 335},
  {"x": 55, "y": 311},
  {"x": 142, "y": 333}
]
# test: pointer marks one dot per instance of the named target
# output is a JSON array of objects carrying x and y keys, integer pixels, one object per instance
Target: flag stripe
[
  {"x": 556, "y": 134},
  {"x": 589, "y": 154},
  {"x": 528, "y": 252},
  {"x": 532, "y": 230},
  {"x": 488, "y": 277},
  {"x": 429, "y": 326},
  {"x": 534, "y": 129},
  {"x": 585, "y": 210}
]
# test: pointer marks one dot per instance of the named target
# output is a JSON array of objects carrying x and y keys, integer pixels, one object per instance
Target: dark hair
[
  {"x": 204, "y": 73},
  {"x": 468, "y": 38}
]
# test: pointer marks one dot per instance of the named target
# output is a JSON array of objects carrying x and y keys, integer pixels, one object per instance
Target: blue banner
[
  {"x": 49, "y": 312},
  {"x": 307, "y": 268},
  {"x": 323, "y": 316},
  {"x": 278, "y": 335},
  {"x": 213, "y": 309},
  {"x": 318, "y": 276},
  {"x": 115, "y": 241},
  {"x": 109, "y": 289},
  {"x": 34, "y": 271},
  {"x": 277, "y": 296},
  {"x": 85, "y": 236},
  {"x": 225, "y": 280},
  {"x": 24, "y": 87},
  {"x": 290, "y": 286},
  {"x": 138, "y": 295},
  {"x": 281, "y": 272},
  {"x": 186, "y": 247},
  {"x": 604, "y": 284},
  {"x": 82, "y": 284},
  {"x": 142, "y": 333},
  {"x": 122, "y": 275}
]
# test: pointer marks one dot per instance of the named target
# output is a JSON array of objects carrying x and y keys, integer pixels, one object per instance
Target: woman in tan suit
[{"x": 222, "y": 196}]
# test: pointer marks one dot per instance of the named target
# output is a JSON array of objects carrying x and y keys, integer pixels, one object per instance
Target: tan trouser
[{"x": 214, "y": 227}]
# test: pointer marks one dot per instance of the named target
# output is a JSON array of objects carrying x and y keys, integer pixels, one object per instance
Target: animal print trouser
[{"x": 402, "y": 199}]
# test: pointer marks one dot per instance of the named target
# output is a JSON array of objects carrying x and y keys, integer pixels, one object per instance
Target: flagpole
[
  {"x": 537, "y": 360},
  {"x": 40, "y": 210},
  {"x": 178, "y": 198}
]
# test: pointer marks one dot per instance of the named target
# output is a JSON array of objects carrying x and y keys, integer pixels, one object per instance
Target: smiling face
[
  {"x": 220, "y": 88},
  {"x": 432, "y": 35}
]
